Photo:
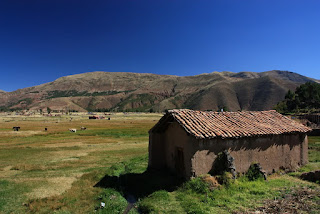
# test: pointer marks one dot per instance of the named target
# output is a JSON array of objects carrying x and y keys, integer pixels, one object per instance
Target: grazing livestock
[
  {"x": 73, "y": 130},
  {"x": 46, "y": 129},
  {"x": 16, "y": 128},
  {"x": 83, "y": 128},
  {"x": 96, "y": 117}
]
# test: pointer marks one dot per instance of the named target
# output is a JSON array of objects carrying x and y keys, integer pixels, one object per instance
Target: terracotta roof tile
[{"x": 208, "y": 124}]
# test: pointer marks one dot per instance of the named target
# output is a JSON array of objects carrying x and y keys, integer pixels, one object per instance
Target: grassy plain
[
  {"x": 57, "y": 171},
  {"x": 56, "y": 164}
]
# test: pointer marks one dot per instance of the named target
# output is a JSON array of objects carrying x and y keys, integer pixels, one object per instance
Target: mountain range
[{"x": 117, "y": 91}]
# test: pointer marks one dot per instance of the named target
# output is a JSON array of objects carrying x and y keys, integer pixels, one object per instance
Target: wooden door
[{"x": 180, "y": 169}]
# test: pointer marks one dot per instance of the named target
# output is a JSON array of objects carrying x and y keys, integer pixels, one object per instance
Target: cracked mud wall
[
  {"x": 275, "y": 152},
  {"x": 287, "y": 152}
]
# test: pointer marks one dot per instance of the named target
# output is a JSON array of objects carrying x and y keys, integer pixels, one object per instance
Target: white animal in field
[
  {"x": 83, "y": 128},
  {"x": 73, "y": 130}
]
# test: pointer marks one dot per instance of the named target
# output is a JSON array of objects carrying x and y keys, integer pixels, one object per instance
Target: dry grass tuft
[{"x": 53, "y": 186}]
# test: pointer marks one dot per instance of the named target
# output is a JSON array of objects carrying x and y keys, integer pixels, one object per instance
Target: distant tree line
[
  {"x": 75, "y": 93},
  {"x": 306, "y": 98}
]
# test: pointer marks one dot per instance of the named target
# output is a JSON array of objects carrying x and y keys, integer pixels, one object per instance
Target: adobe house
[{"x": 187, "y": 142}]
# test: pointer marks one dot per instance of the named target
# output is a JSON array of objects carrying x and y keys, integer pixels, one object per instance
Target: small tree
[
  {"x": 222, "y": 108},
  {"x": 48, "y": 110}
]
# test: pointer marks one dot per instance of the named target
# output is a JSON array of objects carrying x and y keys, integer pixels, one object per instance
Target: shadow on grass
[{"x": 141, "y": 185}]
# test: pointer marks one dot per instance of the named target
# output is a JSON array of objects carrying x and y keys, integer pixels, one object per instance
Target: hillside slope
[{"x": 144, "y": 92}]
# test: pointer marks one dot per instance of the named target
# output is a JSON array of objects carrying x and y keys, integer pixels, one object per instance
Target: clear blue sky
[{"x": 43, "y": 40}]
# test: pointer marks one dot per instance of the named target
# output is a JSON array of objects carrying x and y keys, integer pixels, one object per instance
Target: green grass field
[{"x": 57, "y": 171}]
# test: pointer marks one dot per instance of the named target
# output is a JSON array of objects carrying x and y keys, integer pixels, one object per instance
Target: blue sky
[{"x": 41, "y": 41}]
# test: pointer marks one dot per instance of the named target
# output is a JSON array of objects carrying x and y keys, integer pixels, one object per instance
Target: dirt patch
[{"x": 303, "y": 200}]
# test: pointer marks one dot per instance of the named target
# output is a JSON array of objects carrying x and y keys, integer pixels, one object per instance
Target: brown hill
[{"x": 144, "y": 92}]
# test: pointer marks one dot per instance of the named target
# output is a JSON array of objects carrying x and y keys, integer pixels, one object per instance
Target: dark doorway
[{"x": 180, "y": 162}]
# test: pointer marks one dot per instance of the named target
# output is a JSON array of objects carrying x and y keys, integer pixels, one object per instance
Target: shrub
[
  {"x": 254, "y": 172},
  {"x": 227, "y": 179},
  {"x": 223, "y": 163},
  {"x": 197, "y": 185}
]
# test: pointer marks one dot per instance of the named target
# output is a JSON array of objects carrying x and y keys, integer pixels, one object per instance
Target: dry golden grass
[
  {"x": 19, "y": 134},
  {"x": 52, "y": 186}
]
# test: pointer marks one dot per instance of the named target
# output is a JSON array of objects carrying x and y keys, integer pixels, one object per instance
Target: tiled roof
[{"x": 208, "y": 124}]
